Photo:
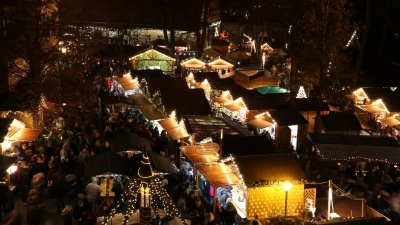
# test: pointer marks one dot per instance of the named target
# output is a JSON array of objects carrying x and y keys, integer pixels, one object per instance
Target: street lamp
[{"x": 286, "y": 186}]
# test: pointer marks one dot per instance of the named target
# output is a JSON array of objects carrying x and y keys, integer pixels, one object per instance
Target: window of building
[
  {"x": 147, "y": 39},
  {"x": 160, "y": 36}
]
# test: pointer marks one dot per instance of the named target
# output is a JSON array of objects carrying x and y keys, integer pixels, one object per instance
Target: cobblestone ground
[{"x": 49, "y": 212}]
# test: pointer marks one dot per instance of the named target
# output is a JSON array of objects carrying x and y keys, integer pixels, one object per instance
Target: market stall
[
  {"x": 263, "y": 192},
  {"x": 191, "y": 65},
  {"x": 152, "y": 59},
  {"x": 222, "y": 66}
]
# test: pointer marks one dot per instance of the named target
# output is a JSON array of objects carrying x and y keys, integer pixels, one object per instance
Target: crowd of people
[{"x": 379, "y": 186}]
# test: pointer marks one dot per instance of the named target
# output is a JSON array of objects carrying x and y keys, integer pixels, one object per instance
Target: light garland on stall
[
  {"x": 132, "y": 188},
  {"x": 234, "y": 167},
  {"x": 379, "y": 103},
  {"x": 265, "y": 183},
  {"x": 360, "y": 94},
  {"x": 301, "y": 93}
]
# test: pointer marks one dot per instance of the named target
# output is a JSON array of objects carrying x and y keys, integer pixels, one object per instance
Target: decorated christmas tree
[{"x": 301, "y": 93}]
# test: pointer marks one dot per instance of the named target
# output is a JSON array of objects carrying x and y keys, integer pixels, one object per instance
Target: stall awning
[
  {"x": 234, "y": 107},
  {"x": 195, "y": 158},
  {"x": 124, "y": 80},
  {"x": 221, "y": 100},
  {"x": 147, "y": 108},
  {"x": 218, "y": 175},
  {"x": 25, "y": 134},
  {"x": 390, "y": 121},
  {"x": 373, "y": 109},
  {"x": 161, "y": 163},
  {"x": 173, "y": 128},
  {"x": 260, "y": 123},
  {"x": 130, "y": 86},
  {"x": 333, "y": 109}
]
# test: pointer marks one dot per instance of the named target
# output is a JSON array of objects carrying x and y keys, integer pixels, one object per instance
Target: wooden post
[
  {"x": 363, "y": 207},
  {"x": 329, "y": 199}
]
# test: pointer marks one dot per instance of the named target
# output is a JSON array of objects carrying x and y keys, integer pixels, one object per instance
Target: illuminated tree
[{"x": 318, "y": 42}]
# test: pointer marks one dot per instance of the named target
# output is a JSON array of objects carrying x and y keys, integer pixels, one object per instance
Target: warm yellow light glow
[
  {"x": 63, "y": 50},
  {"x": 360, "y": 94},
  {"x": 287, "y": 186},
  {"x": 173, "y": 114},
  {"x": 6, "y": 144},
  {"x": 12, "y": 169},
  {"x": 379, "y": 103}
]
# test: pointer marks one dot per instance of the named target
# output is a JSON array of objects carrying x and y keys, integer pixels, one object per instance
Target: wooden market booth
[
  {"x": 377, "y": 109},
  {"x": 263, "y": 193},
  {"x": 192, "y": 64},
  {"x": 13, "y": 131},
  {"x": 223, "y": 66},
  {"x": 153, "y": 59}
]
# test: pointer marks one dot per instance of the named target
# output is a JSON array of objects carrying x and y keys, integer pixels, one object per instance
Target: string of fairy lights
[{"x": 131, "y": 189}]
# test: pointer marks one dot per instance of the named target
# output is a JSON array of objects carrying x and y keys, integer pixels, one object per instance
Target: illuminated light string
[
  {"x": 359, "y": 157},
  {"x": 351, "y": 38},
  {"x": 132, "y": 187},
  {"x": 161, "y": 193},
  {"x": 234, "y": 167}
]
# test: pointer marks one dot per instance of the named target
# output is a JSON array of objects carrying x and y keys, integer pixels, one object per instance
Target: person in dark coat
[
  {"x": 196, "y": 212},
  {"x": 117, "y": 188},
  {"x": 229, "y": 213},
  {"x": 33, "y": 210},
  {"x": 4, "y": 190},
  {"x": 80, "y": 212},
  {"x": 24, "y": 182}
]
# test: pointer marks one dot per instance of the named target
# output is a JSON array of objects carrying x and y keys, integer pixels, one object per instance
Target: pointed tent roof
[
  {"x": 151, "y": 54},
  {"x": 145, "y": 171}
]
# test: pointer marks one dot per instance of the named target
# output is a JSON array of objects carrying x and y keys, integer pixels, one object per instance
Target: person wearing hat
[{"x": 229, "y": 213}]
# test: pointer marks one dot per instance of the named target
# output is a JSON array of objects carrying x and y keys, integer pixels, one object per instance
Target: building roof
[
  {"x": 308, "y": 104},
  {"x": 185, "y": 101},
  {"x": 161, "y": 163},
  {"x": 266, "y": 102},
  {"x": 166, "y": 82},
  {"x": 148, "y": 74},
  {"x": 389, "y": 98},
  {"x": 130, "y": 14},
  {"x": 340, "y": 121},
  {"x": 210, "y": 76},
  {"x": 345, "y": 152},
  {"x": 271, "y": 89},
  {"x": 206, "y": 126},
  {"x": 246, "y": 145},
  {"x": 273, "y": 167},
  {"x": 353, "y": 140},
  {"x": 288, "y": 117}
]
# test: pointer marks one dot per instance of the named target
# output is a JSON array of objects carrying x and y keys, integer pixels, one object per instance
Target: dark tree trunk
[
  {"x": 361, "y": 54},
  {"x": 205, "y": 25}
]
